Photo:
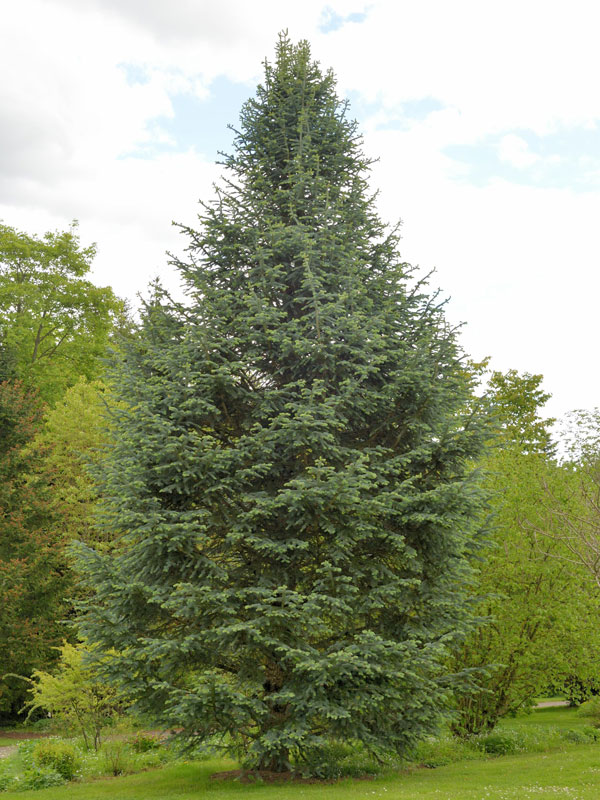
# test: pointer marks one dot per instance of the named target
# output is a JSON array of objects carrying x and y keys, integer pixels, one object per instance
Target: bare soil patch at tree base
[{"x": 268, "y": 776}]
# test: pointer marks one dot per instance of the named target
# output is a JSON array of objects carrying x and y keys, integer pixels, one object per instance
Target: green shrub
[
  {"x": 592, "y": 732},
  {"x": 25, "y": 752},
  {"x": 337, "y": 759},
  {"x": 42, "y": 725},
  {"x": 152, "y": 758},
  {"x": 7, "y": 783},
  {"x": 74, "y": 695},
  {"x": 116, "y": 758},
  {"x": 439, "y": 751},
  {"x": 143, "y": 742},
  {"x": 584, "y": 735},
  {"x": 59, "y": 756},
  {"x": 36, "y": 778},
  {"x": 502, "y": 744},
  {"x": 591, "y": 710}
]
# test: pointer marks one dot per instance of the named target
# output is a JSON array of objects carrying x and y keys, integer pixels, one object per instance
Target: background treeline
[
  {"x": 536, "y": 593},
  {"x": 536, "y": 590},
  {"x": 55, "y": 330}
]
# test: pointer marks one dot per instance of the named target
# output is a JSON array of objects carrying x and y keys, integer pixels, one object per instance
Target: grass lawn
[
  {"x": 571, "y": 772},
  {"x": 554, "y": 716},
  {"x": 4, "y": 742},
  {"x": 550, "y": 699}
]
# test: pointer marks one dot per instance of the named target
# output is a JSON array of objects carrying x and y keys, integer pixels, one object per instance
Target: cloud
[
  {"x": 519, "y": 263},
  {"x": 515, "y": 151},
  {"x": 96, "y": 95},
  {"x": 502, "y": 66},
  {"x": 229, "y": 38}
]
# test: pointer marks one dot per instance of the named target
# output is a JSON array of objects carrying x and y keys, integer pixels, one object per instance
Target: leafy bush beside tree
[
  {"x": 591, "y": 710},
  {"x": 59, "y": 756},
  {"x": 75, "y": 696}
]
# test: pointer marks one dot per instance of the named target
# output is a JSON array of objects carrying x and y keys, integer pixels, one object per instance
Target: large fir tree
[{"x": 290, "y": 481}]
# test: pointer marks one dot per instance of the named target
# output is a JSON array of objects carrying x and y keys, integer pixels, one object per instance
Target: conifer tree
[{"x": 289, "y": 485}]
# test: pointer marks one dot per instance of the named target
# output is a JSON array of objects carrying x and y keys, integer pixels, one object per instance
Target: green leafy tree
[
  {"x": 290, "y": 481},
  {"x": 576, "y": 525},
  {"x": 540, "y": 629},
  {"x": 516, "y": 401},
  {"x": 54, "y": 323},
  {"x": 72, "y": 440},
  {"x": 33, "y": 568}
]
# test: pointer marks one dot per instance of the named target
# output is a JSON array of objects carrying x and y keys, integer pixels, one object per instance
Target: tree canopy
[
  {"x": 54, "y": 322},
  {"x": 33, "y": 568},
  {"x": 540, "y": 613}
]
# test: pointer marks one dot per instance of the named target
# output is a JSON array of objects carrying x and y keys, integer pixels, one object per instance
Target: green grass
[
  {"x": 568, "y": 771},
  {"x": 6, "y": 742},
  {"x": 573, "y": 775},
  {"x": 549, "y": 698},
  {"x": 554, "y": 716}
]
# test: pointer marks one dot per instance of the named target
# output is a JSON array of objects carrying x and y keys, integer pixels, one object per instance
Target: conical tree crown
[{"x": 291, "y": 478}]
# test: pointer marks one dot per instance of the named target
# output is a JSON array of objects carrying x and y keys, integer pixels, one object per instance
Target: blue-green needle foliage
[{"x": 289, "y": 484}]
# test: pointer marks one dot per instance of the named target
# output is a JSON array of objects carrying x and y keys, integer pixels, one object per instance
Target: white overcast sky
[{"x": 485, "y": 116}]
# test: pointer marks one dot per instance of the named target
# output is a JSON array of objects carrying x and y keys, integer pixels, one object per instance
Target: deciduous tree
[
  {"x": 54, "y": 322},
  {"x": 71, "y": 441},
  {"x": 539, "y": 627},
  {"x": 33, "y": 569}
]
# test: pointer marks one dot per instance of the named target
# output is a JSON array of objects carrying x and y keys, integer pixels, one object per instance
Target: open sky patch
[
  {"x": 568, "y": 158},
  {"x": 401, "y": 117},
  {"x": 332, "y": 21},
  {"x": 198, "y": 123},
  {"x": 135, "y": 74}
]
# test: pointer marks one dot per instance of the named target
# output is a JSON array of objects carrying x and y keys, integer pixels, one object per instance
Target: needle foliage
[{"x": 289, "y": 484}]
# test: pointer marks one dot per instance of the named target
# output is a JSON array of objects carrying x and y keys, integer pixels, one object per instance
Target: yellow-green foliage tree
[
  {"x": 72, "y": 438},
  {"x": 74, "y": 695}
]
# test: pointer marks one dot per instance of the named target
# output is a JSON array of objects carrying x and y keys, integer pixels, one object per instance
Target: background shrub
[
  {"x": 337, "y": 759},
  {"x": 116, "y": 758},
  {"x": 442, "y": 750},
  {"x": 144, "y": 742},
  {"x": 584, "y": 735},
  {"x": 502, "y": 744},
  {"x": 74, "y": 695},
  {"x": 591, "y": 710},
  {"x": 59, "y": 756},
  {"x": 7, "y": 783},
  {"x": 36, "y": 778}
]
